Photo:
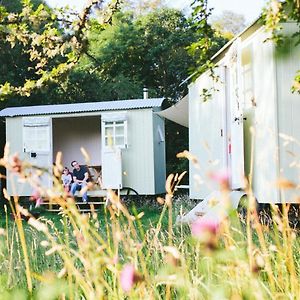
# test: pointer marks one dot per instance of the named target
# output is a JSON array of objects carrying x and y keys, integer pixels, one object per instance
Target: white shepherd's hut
[
  {"x": 124, "y": 139},
  {"x": 247, "y": 122}
]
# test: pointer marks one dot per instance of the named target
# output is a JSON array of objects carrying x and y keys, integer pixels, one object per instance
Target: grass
[
  {"x": 65, "y": 259},
  {"x": 139, "y": 253}
]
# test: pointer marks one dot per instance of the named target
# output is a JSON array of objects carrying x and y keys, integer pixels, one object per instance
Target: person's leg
[
  {"x": 84, "y": 195},
  {"x": 66, "y": 189},
  {"x": 75, "y": 186}
]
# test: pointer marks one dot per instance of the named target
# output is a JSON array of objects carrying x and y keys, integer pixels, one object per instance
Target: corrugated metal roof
[{"x": 80, "y": 107}]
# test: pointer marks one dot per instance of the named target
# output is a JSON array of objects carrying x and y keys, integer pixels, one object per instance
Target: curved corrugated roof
[{"x": 80, "y": 107}]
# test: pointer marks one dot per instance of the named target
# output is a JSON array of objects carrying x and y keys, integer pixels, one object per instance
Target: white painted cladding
[
  {"x": 287, "y": 64},
  {"x": 70, "y": 132},
  {"x": 205, "y": 137},
  {"x": 272, "y": 115}
]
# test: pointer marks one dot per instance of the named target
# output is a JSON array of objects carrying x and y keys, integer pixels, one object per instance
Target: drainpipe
[{"x": 145, "y": 93}]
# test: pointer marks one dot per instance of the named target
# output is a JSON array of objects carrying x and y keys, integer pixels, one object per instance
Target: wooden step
[
  {"x": 80, "y": 210},
  {"x": 77, "y": 203},
  {"x": 82, "y": 206}
]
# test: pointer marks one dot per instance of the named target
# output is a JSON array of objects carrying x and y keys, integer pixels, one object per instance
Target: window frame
[
  {"x": 32, "y": 139},
  {"x": 114, "y": 124}
]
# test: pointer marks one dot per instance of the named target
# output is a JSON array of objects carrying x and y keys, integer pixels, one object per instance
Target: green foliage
[
  {"x": 209, "y": 40},
  {"x": 142, "y": 7},
  {"x": 276, "y": 12},
  {"x": 147, "y": 50},
  {"x": 49, "y": 43}
]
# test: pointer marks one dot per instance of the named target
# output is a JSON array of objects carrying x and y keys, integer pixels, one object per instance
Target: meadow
[{"x": 129, "y": 252}]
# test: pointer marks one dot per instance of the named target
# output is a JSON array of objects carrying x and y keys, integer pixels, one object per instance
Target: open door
[
  {"x": 112, "y": 169},
  {"x": 37, "y": 146},
  {"x": 235, "y": 117},
  {"x": 114, "y": 139}
]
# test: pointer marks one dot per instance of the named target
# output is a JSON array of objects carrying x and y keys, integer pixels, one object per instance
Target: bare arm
[{"x": 86, "y": 177}]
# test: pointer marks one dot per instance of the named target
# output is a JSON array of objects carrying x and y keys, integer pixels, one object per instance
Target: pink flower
[
  {"x": 36, "y": 196},
  {"x": 206, "y": 231},
  {"x": 202, "y": 226},
  {"x": 115, "y": 259},
  {"x": 221, "y": 177},
  {"x": 127, "y": 277},
  {"x": 38, "y": 202},
  {"x": 16, "y": 164}
]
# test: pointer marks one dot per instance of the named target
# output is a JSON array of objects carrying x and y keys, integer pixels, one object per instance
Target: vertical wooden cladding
[
  {"x": 14, "y": 131},
  {"x": 138, "y": 157},
  {"x": 159, "y": 154},
  {"x": 287, "y": 64},
  {"x": 206, "y": 142}
]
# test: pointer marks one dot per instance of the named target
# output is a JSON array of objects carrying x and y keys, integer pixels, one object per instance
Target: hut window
[
  {"x": 36, "y": 135},
  {"x": 115, "y": 134}
]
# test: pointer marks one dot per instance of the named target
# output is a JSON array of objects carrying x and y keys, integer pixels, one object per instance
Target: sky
[{"x": 250, "y": 9}]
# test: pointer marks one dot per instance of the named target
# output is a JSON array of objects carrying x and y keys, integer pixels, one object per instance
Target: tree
[
  {"x": 143, "y": 7},
  {"x": 149, "y": 50},
  {"x": 229, "y": 23},
  {"x": 209, "y": 40},
  {"x": 52, "y": 41},
  {"x": 137, "y": 51}
]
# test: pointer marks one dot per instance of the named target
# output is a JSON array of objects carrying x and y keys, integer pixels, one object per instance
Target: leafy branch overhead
[
  {"x": 209, "y": 40},
  {"x": 52, "y": 40},
  {"x": 273, "y": 15}
]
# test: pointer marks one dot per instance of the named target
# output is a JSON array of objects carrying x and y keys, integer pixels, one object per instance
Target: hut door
[
  {"x": 112, "y": 169},
  {"x": 114, "y": 138},
  {"x": 235, "y": 117},
  {"x": 37, "y": 146}
]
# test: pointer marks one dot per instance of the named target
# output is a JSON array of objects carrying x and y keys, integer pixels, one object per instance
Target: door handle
[{"x": 239, "y": 119}]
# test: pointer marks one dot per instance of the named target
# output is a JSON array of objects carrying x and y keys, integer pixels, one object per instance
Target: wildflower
[
  {"x": 38, "y": 225},
  {"x": 16, "y": 164},
  {"x": 283, "y": 183},
  {"x": 259, "y": 263},
  {"x": 201, "y": 226},
  {"x": 173, "y": 256},
  {"x": 221, "y": 177},
  {"x": 206, "y": 231},
  {"x": 115, "y": 260},
  {"x": 186, "y": 154},
  {"x": 79, "y": 237},
  {"x": 129, "y": 277},
  {"x": 36, "y": 196},
  {"x": 160, "y": 200}
]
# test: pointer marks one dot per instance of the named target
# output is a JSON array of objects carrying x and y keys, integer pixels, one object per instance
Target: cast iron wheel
[{"x": 130, "y": 191}]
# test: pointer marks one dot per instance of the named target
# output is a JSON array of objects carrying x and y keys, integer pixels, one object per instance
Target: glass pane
[
  {"x": 120, "y": 130},
  {"x": 120, "y": 122},
  {"x": 36, "y": 138},
  {"x": 109, "y": 141},
  {"x": 109, "y": 131},
  {"x": 119, "y": 141}
]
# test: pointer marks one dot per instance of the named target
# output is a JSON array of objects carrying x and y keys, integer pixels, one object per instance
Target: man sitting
[{"x": 80, "y": 178}]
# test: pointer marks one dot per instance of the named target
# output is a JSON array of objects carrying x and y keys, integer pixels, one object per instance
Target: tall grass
[{"x": 113, "y": 255}]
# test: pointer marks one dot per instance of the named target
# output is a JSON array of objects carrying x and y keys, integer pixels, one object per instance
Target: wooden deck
[
  {"x": 97, "y": 198},
  {"x": 82, "y": 207}
]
